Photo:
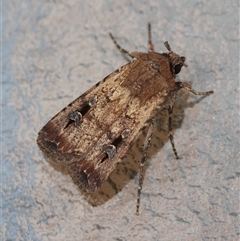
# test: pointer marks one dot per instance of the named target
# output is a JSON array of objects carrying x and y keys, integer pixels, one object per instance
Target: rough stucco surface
[{"x": 53, "y": 51}]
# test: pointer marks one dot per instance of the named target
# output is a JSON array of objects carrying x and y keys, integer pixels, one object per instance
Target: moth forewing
[
  {"x": 94, "y": 132},
  {"x": 124, "y": 100},
  {"x": 64, "y": 136}
]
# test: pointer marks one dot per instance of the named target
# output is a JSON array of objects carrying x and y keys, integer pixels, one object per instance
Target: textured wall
[{"x": 53, "y": 51}]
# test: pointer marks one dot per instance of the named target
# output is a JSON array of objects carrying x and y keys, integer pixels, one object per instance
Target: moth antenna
[
  {"x": 150, "y": 44},
  {"x": 166, "y": 44},
  {"x": 122, "y": 50}
]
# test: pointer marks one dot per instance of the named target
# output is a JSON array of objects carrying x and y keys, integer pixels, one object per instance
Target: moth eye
[{"x": 177, "y": 68}]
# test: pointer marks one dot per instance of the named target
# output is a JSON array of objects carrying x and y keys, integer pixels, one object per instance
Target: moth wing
[
  {"x": 64, "y": 139},
  {"x": 95, "y": 131}
]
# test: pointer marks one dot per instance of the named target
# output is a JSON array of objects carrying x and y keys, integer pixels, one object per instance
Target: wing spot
[
  {"x": 110, "y": 151},
  {"x": 77, "y": 115},
  {"x": 125, "y": 133}
]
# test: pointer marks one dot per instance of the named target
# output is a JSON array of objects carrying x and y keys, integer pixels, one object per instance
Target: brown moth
[{"x": 94, "y": 132}]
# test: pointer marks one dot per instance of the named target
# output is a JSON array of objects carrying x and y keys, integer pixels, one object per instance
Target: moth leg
[
  {"x": 150, "y": 44},
  {"x": 122, "y": 50},
  {"x": 189, "y": 88},
  {"x": 143, "y": 160},
  {"x": 170, "y": 135}
]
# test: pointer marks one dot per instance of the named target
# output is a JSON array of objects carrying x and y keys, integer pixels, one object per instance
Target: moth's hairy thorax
[{"x": 149, "y": 76}]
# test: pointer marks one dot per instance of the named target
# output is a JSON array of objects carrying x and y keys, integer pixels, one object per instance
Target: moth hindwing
[{"x": 94, "y": 132}]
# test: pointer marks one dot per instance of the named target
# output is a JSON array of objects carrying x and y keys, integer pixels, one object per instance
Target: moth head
[{"x": 177, "y": 61}]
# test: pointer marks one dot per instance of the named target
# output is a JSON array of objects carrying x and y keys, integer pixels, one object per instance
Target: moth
[{"x": 94, "y": 132}]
